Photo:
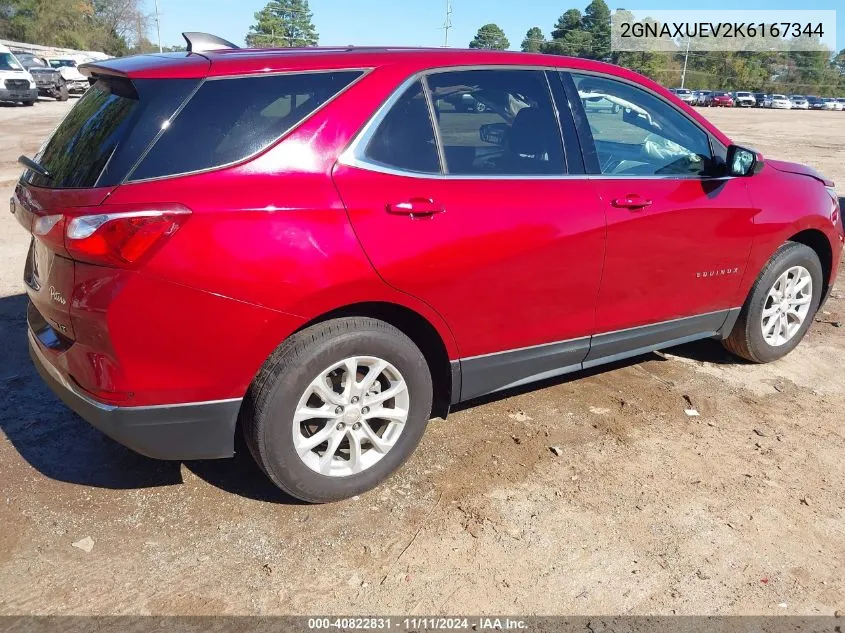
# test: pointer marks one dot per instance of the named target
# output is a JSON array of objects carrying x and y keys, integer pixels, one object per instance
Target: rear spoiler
[{"x": 156, "y": 66}]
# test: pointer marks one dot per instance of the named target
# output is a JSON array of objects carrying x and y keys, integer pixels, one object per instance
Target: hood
[
  {"x": 70, "y": 73},
  {"x": 15, "y": 74},
  {"x": 801, "y": 170}
]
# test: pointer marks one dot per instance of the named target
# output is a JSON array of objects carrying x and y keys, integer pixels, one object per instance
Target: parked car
[
  {"x": 704, "y": 97},
  {"x": 780, "y": 102},
  {"x": 744, "y": 100},
  {"x": 76, "y": 82},
  {"x": 821, "y": 103},
  {"x": 721, "y": 100},
  {"x": 16, "y": 84},
  {"x": 759, "y": 99},
  {"x": 799, "y": 102},
  {"x": 685, "y": 95},
  {"x": 313, "y": 252},
  {"x": 838, "y": 104},
  {"x": 49, "y": 81}
]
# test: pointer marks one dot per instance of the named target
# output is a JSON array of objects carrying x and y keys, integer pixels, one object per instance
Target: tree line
[
  {"x": 115, "y": 27},
  {"x": 120, "y": 27},
  {"x": 587, "y": 34}
]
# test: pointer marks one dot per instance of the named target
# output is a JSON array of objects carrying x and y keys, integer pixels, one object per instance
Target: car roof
[{"x": 227, "y": 62}]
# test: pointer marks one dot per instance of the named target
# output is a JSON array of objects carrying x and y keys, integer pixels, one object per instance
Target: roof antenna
[{"x": 200, "y": 42}]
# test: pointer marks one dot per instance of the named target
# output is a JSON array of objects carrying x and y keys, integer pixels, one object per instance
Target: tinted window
[
  {"x": 497, "y": 122},
  {"x": 108, "y": 130},
  {"x": 228, "y": 120},
  {"x": 81, "y": 146},
  {"x": 636, "y": 133},
  {"x": 405, "y": 138}
]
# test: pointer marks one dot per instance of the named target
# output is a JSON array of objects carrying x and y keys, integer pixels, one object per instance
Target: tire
[
  {"x": 29, "y": 103},
  {"x": 62, "y": 93},
  {"x": 747, "y": 340},
  {"x": 480, "y": 107},
  {"x": 283, "y": 385}
]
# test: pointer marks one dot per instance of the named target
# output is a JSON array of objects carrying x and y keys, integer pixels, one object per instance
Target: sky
[{"x": 419, "y": 22}]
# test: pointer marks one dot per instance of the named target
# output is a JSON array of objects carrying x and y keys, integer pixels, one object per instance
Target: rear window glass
[
  {"x": 228, "y": 120},
  {"x": 80, "y": 147},
  {"x": 108, "y": 130}
]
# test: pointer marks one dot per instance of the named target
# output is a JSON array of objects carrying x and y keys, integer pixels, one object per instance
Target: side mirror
[{"x": 743, "y": 162}]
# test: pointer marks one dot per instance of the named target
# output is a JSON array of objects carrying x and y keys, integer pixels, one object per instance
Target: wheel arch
[
  {"x": 424, "y": 335},
  {"x": 818, "y": 241}
]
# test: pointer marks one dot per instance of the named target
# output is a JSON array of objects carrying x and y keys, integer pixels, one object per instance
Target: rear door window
[
  {"x": 231, "y": 119},
  {"x": 404, "y": 139},
  {"x": 497, "y": 122}
]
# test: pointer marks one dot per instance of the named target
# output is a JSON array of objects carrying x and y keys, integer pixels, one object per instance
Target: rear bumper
[
  {"x": 23, "y": 94},
  {"x": 197, "y": 430}
]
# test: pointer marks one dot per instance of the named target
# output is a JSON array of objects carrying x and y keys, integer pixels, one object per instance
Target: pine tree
[
  {"x": 597, "y": 23},
  {"x": 490, "y": 37},
  {"x": 283, "y": 24},
  {"x": 533, "y": 40},
  {"x": 569, "y": 21}
]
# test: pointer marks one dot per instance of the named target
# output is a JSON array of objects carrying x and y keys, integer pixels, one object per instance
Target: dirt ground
[{"x": 645, "y": 510}]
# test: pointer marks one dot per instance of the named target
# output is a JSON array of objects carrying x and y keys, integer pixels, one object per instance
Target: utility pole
[
  {"x": 447, "y": 24},
  {"x": 158, "y": 27},
  {"x": 686, "y": 56}
]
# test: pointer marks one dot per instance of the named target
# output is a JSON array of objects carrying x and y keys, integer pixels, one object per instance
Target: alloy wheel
[
  {"x": 350, "y": 416},
  {"x": 787, "y": 306}
]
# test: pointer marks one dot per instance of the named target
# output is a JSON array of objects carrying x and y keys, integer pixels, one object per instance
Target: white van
[{"x": 16, "y": 84}]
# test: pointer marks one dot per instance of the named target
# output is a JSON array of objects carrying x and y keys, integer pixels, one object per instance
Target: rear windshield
[
  {"x": 81, "y": 146},
  {"x": 231, "y": 119}
]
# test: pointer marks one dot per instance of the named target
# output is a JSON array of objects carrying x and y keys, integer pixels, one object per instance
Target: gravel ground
[{"x": 644, "y": 511}]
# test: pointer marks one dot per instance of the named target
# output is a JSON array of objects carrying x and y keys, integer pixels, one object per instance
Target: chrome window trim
[
  {"x": 353, "y": 155},
  {"x": 364, "y": 72}
]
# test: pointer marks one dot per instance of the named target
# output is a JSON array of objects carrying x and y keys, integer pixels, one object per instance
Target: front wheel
[
  {"x": 780, "y": 307},
  {"x": 337, "y": 408}
]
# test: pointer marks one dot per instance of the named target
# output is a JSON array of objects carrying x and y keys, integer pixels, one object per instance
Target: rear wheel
[
  {"x": 337, "y": 408},
  {"x": 780, "y": 307}
]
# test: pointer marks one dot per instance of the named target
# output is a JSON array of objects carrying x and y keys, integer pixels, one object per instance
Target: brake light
[{"x": 121, "y": 239}]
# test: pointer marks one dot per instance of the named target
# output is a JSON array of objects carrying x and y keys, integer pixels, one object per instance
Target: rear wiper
[{"x": 31, "y": 164}]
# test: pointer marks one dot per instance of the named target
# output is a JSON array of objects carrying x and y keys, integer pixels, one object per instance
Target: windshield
[
  {"x": 59, "y": 63},
  {"x": 8, "y": 62},
  {"x": 743, "y": 94}
]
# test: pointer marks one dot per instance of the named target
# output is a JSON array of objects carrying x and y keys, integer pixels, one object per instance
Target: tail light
[{"x": 121, "y": 239}]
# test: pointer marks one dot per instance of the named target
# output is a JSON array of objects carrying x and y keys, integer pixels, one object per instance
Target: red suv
[{"x": 325, "y": 248}]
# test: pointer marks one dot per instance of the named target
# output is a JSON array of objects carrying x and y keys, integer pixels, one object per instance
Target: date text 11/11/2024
[{"x": 417, "y": 623}]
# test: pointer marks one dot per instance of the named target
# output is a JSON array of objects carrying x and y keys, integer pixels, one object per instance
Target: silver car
[{"x": 799, "y": 102}]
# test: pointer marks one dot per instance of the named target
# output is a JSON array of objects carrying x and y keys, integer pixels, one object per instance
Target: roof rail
[{"x": 199, "y": 42}]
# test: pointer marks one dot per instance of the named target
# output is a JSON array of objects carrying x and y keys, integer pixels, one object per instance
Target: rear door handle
[
  {"x": 632, "y": 201},
  {"x": 416, "y": 207}
]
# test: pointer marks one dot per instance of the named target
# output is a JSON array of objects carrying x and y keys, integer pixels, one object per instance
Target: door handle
[
  {"x": 416, "y": 207},
  {"x": 632, "y": 201}
]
